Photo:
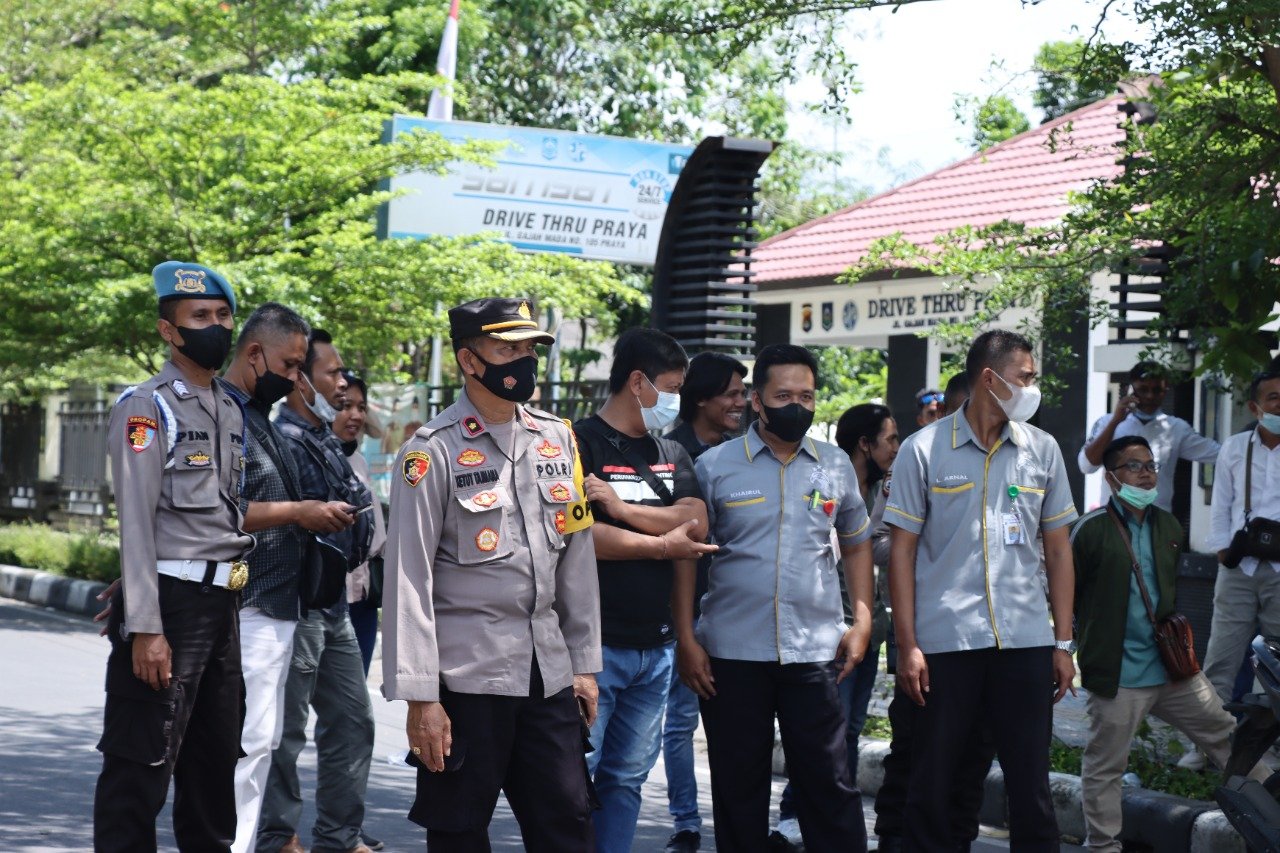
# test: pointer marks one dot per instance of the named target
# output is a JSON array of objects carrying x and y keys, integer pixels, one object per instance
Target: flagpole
[{"x": 441, "y": 108}]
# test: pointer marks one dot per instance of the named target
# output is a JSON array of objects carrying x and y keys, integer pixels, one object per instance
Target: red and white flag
[{"x": 441, "y": 106}]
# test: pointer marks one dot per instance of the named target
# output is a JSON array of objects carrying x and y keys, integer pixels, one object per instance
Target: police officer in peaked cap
[
  {"x": 491, "y": 611},
  {"x": 174, "y": 691}
]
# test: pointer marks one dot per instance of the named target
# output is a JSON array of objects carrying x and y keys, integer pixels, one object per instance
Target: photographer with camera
[{"x": 1245, "y": 531}]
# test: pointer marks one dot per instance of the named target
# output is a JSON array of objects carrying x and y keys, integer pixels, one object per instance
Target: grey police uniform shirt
[
  {"x": 479, "y": 576},
  {"x": 774, "y": 593},
  {"x": 1170, "y": 438},
  {"x": 976, "y": 586},
  {"x": 176, "y": 476}
]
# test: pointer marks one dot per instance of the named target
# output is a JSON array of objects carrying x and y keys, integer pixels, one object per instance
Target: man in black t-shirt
[{"x": 649, "y": 513}]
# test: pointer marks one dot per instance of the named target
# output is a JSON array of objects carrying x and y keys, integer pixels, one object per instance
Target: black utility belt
[{"x": 233, "y": 575}]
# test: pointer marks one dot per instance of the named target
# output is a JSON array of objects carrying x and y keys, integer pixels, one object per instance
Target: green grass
[{"x": 88, "y": 556}]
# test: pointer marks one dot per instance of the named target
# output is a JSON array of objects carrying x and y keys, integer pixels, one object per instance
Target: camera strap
[{"x": 1248, "y": 478}]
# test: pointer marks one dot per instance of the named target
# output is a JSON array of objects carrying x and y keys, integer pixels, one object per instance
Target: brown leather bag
[{"x": 1174, "y": 640}]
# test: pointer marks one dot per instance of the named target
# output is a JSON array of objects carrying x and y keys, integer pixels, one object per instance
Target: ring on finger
[{"x": 417, "y": 750}]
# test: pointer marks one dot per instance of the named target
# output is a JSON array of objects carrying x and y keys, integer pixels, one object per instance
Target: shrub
[
  {"x": 80, "y": 555},
  {"x": 94, "y": 557}
]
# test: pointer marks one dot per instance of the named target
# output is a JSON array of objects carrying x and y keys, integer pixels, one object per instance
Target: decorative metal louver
[{"x": 702, "y": 290}]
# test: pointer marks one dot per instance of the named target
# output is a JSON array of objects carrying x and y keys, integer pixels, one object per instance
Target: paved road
[{"x": 51, "y": 669}]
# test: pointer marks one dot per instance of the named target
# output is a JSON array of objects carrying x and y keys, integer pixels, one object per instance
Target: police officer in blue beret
[{"x": 174, "y": 689}]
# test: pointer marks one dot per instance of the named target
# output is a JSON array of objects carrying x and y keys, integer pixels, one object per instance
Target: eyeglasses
[
  {"x": 929, "y": 399},
  {"x": 1135, "y": 467}
]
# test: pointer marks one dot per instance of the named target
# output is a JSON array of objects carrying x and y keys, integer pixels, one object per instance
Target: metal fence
[{"x": 82, "y": 456}]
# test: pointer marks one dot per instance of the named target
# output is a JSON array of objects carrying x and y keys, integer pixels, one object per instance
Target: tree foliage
[
  {"x": 1201, "y": 180},
  {"x": 245, "y": 134},
  {"x": 992, "y": 119},
  {"x": 1073, "y": 74}
]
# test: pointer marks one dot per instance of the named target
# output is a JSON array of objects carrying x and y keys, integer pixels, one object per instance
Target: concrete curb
[
  {"x": 49, "y": 590},
  {"x": 1147, "y": 813}
]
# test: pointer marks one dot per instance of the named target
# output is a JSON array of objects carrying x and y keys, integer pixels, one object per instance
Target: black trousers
[
  {"x": 739, "y": 727},
  {"x": 188, "y": 732},
  {"x": 975, "y": 759},
  {"x": 1011, "y": 691},
  {"x": 528, "y": 747}
]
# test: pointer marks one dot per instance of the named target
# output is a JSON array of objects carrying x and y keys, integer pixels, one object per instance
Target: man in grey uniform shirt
[
  {"x": 773, "y": 639},
  {"x": 970, "y": 492},
  {"x": 174, "y": 691},
  {"x": 491, "y": 610}
]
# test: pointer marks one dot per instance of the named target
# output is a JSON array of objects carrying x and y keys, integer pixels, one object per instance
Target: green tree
[
  {"x": 992, "y": 119},
  {"x": 1073, "y": 74},
  {"x": 266, "y": 180},
  {"x": 1201, "y": 180},
  {"x": 848, "y": 376}
]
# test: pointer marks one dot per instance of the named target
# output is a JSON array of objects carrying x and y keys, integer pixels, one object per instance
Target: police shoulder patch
[
  {"x": 140, "y": 432},
  {"x": 416, "y": 465}
]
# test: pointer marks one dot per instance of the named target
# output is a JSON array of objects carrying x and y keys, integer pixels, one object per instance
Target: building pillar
[
  {"x": 1062, "y": 419},
  {"x": 908, "y": 373}
]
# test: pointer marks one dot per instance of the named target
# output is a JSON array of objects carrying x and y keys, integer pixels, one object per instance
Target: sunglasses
[{"x": 930, "y": 399}]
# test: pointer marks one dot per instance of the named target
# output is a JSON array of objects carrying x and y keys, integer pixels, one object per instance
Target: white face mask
[
  {"x": 321, "y": 408},
  {"x": 663, "y": 413},
  {"x": 1024, "y": 402}
]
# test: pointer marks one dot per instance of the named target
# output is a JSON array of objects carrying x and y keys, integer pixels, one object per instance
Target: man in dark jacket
[{"x": 1119, "y": 663}]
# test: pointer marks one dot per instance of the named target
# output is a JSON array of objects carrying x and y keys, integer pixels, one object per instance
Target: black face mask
[
  {"x": 789, "y": 422},
  {"x": 512, "y": 381},
  {"x": 207, "y": 347},
  {"x": 874, "y": 471},
  {"x": 269, "y": 386},
  {"x": 349, "y": 447}
]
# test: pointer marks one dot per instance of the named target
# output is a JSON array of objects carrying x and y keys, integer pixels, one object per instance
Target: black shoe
[
  {"x": 890, "y": 844},
  {"x": 684, "y": 841},
  {"x": 778, "y": 843},
  {"x": 371, "y": 842}
]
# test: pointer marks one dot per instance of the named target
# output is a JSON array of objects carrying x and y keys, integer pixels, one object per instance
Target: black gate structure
[
  {"x": 82, "y": 457},
  {"x": 22, "y": 494},
  {"x": 702, "y": 289}
]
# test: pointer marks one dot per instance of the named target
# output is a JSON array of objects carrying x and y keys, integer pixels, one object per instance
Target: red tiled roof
[{"x": 1023, "y": 179}]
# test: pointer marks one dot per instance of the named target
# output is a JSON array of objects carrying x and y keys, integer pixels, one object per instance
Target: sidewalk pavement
[{"x": 1208, "y": 829}]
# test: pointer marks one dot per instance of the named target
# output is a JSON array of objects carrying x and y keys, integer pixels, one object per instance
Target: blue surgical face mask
[
  {"x": 663, "y": 413},
  {"x": 1144, "y": 417},
  {"x": 1270, "y": 422}
]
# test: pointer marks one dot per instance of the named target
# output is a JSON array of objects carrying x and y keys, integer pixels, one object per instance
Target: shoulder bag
[{"x": 1173, "y": 633}]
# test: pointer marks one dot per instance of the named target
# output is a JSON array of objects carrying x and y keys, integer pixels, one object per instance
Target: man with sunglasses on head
[
  {"x": 930, "y": 406},
  {"x": 1138, "y": 413},
  {"x": 1246, "y": 486}
]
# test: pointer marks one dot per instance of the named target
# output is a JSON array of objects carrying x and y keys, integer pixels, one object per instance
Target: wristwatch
[{"x": 1068, "y": 646}]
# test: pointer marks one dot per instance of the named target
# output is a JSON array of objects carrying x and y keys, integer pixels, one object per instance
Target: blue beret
[{"x": 181, "y": 280}]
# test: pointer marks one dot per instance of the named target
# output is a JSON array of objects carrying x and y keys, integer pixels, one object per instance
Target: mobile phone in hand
[{"x": 362, "y": 509}]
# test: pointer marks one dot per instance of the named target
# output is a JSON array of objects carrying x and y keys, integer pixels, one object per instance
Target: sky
[{"x": 912, "y": 64}]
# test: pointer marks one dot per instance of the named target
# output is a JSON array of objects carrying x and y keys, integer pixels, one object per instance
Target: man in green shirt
[{"x": 1120, "y": 665}]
